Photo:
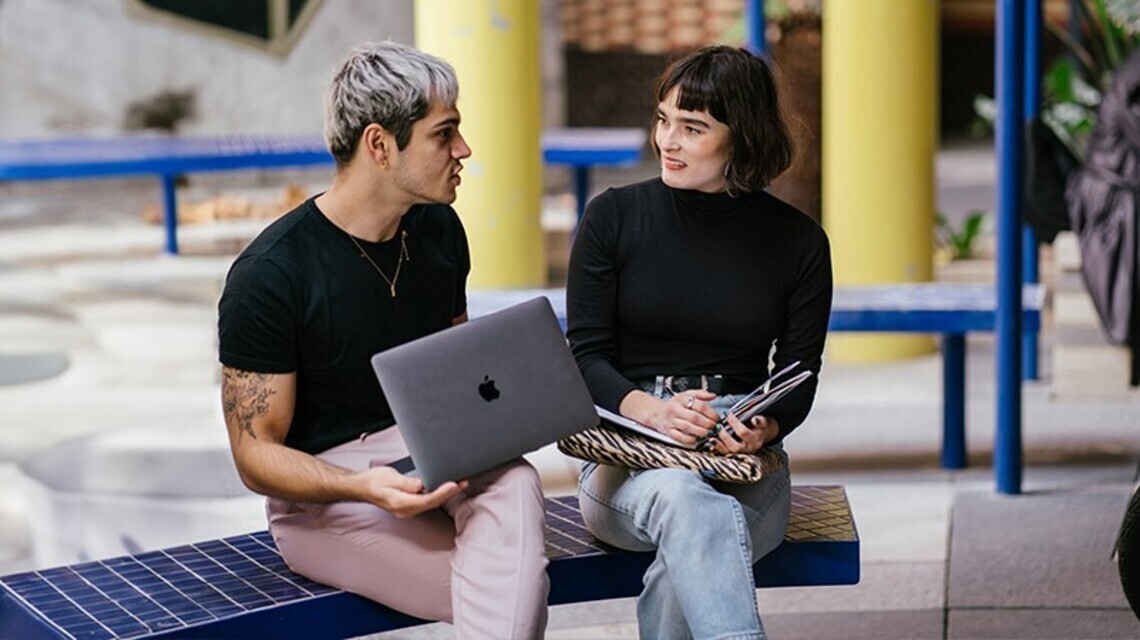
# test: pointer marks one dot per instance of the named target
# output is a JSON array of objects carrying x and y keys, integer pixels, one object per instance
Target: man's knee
[
  {"x": 515, "y": 478},
  {"x": 520, "y": 474}
]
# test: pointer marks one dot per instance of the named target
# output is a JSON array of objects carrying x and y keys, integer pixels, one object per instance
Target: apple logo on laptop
[{"x": 487, "y": 389}]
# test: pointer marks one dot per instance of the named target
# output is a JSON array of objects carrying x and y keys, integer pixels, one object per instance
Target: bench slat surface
[{"x": 241, "y": 587}]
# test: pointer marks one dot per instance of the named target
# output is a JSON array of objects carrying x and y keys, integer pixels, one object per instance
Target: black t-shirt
[
  {"x": 665, "y": 281},
  {"x": 302, "y": 299}
]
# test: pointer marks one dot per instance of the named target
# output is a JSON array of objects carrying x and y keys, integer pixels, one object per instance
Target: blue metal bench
[
  {"x": 950, "y": 310},
  {"x": 240, "y": 587},
  {"x": 165, "y": 157},
  {"x": 169, "y": 157}
]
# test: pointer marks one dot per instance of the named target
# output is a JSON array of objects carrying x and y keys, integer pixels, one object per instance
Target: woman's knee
[{"x": 676, "y": 497}]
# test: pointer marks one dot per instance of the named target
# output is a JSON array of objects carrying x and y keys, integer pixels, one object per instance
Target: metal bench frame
[{"x": 258, "y": 596}]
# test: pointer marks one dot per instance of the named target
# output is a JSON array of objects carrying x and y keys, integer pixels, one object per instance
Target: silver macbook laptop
[{"x": 484, "y": 392}]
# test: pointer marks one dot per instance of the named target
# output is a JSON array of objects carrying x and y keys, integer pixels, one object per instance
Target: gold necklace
[{"x": 399, "y": 263}]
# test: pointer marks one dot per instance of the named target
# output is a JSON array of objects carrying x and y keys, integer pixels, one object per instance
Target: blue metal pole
[
  {"x": 754, "y": 26},
  {"x": 1031, "y": 106},
  {"x": 1008, "y": 140},
  {"x": 170, "y": 212}
]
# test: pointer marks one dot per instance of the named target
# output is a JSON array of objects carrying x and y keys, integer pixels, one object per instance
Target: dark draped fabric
[{"x": 1102, "y": 197}]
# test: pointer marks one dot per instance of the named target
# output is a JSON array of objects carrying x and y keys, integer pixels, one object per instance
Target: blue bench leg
[
  {"x": 1029, "y": 346},
  {"x": 1029, "y": 274},
  {"x": 170, "y": 213},
  {"x": 581, "y": 188},
  {"x": 954, "y": 401}
]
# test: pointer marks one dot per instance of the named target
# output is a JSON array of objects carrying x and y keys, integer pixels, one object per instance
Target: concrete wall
[{"x": 71, "y": 67}]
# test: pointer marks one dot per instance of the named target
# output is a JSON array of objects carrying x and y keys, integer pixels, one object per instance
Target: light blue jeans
[{"x": 707, "y": 535}]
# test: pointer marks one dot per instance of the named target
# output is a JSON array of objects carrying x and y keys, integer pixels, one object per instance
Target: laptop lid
[{"x": 482, "y": 393}]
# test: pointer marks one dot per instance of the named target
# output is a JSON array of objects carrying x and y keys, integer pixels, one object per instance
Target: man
[{"x": 378, "y": 259}]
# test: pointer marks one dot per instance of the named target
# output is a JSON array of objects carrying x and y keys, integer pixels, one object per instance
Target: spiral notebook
[{"x": 752, "y": 404}]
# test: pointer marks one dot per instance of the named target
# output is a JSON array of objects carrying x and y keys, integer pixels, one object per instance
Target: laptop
[{"x": 479, "y": 394}]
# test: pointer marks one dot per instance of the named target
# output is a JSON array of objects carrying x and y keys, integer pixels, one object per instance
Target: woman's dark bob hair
[{"x": 737, "y": 88}]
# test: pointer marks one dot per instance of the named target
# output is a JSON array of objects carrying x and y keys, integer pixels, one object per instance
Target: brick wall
[
  {"x": 646, "y": 26},
  {"x": 616, "y": 48}
]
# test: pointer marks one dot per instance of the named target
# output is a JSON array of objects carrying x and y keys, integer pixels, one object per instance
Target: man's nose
[{"x": 461, "y": 150}]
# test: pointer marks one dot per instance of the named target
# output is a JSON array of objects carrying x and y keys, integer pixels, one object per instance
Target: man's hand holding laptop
[{"x": 402, "y": 495}]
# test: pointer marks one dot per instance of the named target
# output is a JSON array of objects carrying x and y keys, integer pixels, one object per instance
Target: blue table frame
[
  {"x": 584, "y": 148},
  {"x": 169, "y": 157},
  {"x": 951, "y": 310},
  {"x": 165, "y": 157}
]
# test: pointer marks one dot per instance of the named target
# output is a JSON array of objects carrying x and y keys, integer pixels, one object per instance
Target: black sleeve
[
  {"x": 257, "y": 328},
  {"x": 805, "y": 330},
  {"x": 591, "y": 302}
]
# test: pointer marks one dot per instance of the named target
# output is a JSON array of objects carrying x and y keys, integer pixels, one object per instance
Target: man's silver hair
[{"x": 386, "y": 83}]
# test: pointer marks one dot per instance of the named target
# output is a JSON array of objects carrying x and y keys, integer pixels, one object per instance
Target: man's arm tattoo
[{"x": 245, "y": 397}]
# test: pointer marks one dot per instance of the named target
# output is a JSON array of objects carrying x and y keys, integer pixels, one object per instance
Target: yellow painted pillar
[
  {"x": 880, "y": 134},
  {"x": 494, "y": 48}
]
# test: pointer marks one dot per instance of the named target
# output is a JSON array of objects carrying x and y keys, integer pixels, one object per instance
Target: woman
[{"x": 685, "y": 292}]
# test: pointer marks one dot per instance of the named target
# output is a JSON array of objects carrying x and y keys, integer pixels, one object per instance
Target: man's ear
[{"x": 377, "y": 143}]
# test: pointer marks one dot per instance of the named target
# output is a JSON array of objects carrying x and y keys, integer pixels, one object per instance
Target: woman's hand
[
  {"x": 739, "y": 438},
  {"x": 401, "y": 495},
  {"x": 685, "y": 417}
]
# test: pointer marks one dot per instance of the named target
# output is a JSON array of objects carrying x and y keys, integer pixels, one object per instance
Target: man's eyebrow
[{"x": 449, "y": 122}]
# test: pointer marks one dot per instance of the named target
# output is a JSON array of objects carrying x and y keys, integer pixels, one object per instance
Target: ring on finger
[{"x": 689, "y": 403}]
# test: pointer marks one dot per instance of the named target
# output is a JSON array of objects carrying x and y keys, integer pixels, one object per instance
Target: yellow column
[
  {"x": 494, "y": 48},
  {"x": 880, "y": 130}
]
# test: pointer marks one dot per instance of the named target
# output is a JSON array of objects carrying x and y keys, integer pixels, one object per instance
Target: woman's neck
[{"x": 711, "y": 203}]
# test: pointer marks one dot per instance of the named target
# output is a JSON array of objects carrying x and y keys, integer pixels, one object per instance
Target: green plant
[
  {"x": 1073, "y": 83},
  {"x": 960, "y": 241}
]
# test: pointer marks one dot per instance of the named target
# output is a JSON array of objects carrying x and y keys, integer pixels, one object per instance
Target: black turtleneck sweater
[{"x": 666, "y": 281}]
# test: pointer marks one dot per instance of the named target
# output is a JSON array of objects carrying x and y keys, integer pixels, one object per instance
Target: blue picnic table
[
  {"x": 584, "y": 148},
  {"x": 169, "y": 157},
  {"x": 164, "y": 156}
]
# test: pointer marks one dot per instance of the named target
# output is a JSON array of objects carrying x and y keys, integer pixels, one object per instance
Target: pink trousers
[{"x": 479, "y": 562}]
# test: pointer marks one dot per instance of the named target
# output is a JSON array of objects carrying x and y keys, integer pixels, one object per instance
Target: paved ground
[{"x": 100, "y": 335}]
